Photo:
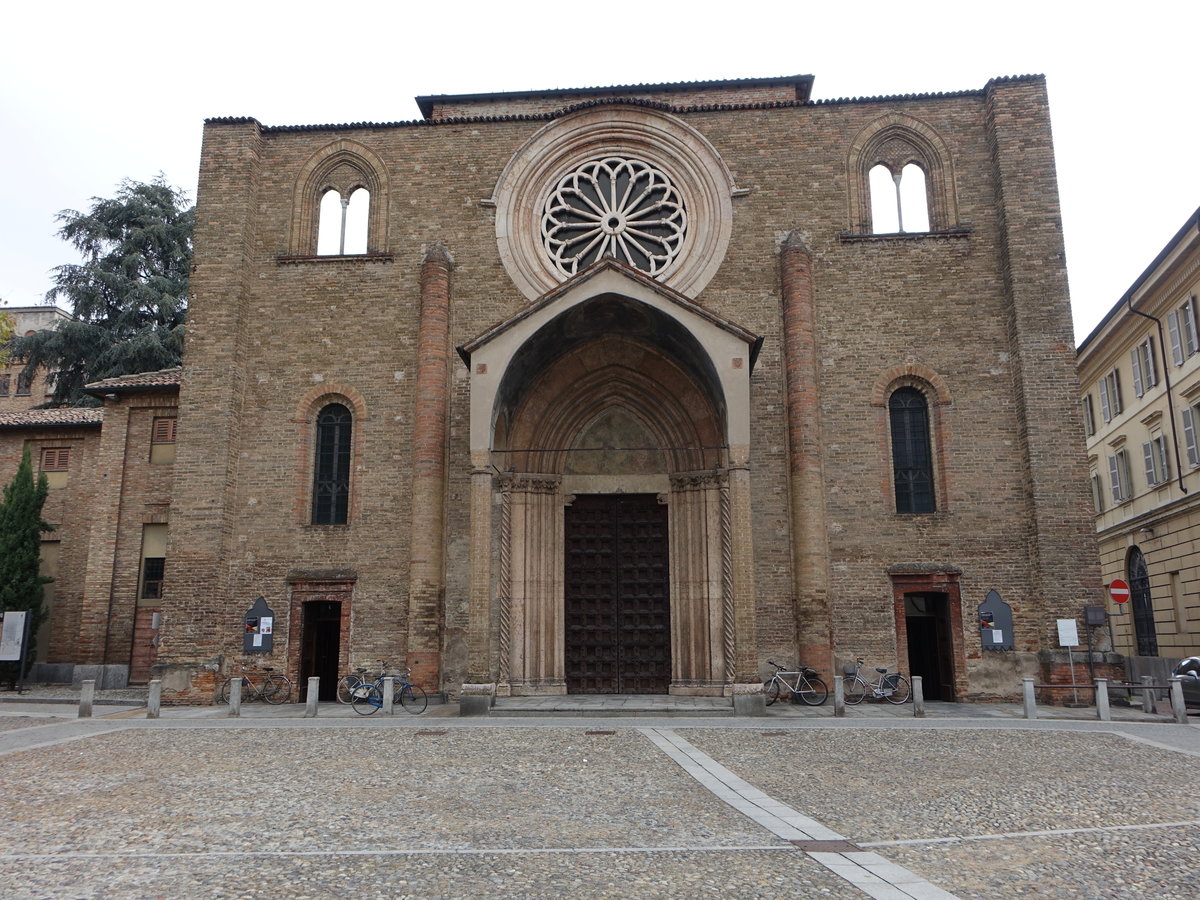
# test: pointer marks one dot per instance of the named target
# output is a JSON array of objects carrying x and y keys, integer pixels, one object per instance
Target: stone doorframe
[
  {"x": 516, "y": 641},
  {"x": 308, "y": 585},
  {"x": 918, "y": 579},
  {"x": 530, "y": 593}
]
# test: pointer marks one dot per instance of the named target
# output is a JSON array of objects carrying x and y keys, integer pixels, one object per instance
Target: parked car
[{"x": 1189, "y": 670}]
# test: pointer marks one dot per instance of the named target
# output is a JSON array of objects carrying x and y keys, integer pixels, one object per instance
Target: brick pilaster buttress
[
  {"x": 809, "y": 546},
  {"x": 426, "y": 587}
]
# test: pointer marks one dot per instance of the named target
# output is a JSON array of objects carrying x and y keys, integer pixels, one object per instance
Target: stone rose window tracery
[{"x": 616, "y": 206}]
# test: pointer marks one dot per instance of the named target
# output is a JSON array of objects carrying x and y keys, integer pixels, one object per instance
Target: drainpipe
[{"x": 1167, "y": 384}]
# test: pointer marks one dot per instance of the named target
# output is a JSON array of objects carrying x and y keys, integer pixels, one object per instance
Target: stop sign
[{"x": 1118, "y": 590}]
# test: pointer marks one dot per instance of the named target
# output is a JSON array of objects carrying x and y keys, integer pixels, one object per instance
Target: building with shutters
[
  {"x": 1139, "y": 371},
  {"x": 628, "y": 389}
]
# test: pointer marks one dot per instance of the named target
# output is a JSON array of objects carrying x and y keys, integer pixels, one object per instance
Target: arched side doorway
[{"x": 614, "y": 565}]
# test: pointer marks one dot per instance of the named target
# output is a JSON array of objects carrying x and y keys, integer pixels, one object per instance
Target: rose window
[{"x": 616, "y": 206}]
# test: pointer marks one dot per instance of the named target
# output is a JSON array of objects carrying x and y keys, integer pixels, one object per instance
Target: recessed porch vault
[{"x": 610, "y": 384}]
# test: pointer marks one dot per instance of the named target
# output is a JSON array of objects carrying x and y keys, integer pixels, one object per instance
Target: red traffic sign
[{"x": 1118, "y": 590}]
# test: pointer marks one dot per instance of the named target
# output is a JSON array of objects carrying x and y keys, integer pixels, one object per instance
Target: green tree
[
  {"x": 128, "y": 296},
  {"x": 21, "y": 528},
  {"x": 7, "y": 327}
]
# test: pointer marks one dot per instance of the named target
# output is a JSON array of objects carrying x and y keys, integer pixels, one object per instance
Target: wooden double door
[{"x": 617, "y": 593}]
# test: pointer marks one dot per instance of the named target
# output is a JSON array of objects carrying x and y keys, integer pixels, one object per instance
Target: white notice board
[
  {"x": 1068, "y": 633},
  {"x": 11, "y": 636}
]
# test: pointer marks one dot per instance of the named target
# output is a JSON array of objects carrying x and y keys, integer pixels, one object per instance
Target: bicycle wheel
[
  {"x": 813, "y": 690},
  {"x": 901, "y": 689},
  {"x": 413, "y": 699},
  {"x": 277, "y": 689},
  {"x": 223, "y": 695},
  {"x": 853, "y": 690},
  {"x": 345, "y": 688},
  {"x": 367, "y": 699},
  {"x": 771, "y": 690}
]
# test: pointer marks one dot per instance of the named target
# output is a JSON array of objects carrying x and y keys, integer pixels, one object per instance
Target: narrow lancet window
[
  {"x": 912, "y": 456},
  {"x": 331, "y": 471}
]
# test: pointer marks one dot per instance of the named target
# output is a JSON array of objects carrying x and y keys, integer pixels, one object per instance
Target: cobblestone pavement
[{"x": 199, "y": 805}]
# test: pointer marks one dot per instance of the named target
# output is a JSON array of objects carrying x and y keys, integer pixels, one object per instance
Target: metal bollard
[
  {"x": 839, "y": 695},
  {"x": 310, "y": 700},
  {"x": 235, "y": 697},
  {"x": 1103, "y": 711},
  {"x": 154, "y": 699},
  {"x": 1030, "y": 700},
  {"x": 388, "y": 684},
  {"x": 87, "y": 696},
  {"x": 1178, "y": 707},
  {"x": 918, "y": 697},
  {"x": 1147, "y": 694}
]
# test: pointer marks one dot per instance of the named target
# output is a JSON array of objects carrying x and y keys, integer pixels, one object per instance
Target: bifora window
[
  {"x": 331, "y": 472},
  {"x": 616, "y": 206},
  {"x": 912, "y": 456}
]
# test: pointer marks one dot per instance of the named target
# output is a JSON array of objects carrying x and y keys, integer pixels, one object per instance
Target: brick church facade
[{"x": 619, "y": 390}]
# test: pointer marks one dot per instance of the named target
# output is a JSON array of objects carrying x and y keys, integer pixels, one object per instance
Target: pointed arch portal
[{"x": 613, "y": 428}]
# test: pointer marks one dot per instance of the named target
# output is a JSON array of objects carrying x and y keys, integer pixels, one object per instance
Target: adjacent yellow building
[{"x": 1139, "y": 372}]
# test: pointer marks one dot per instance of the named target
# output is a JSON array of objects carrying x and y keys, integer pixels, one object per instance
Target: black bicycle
[{"x": 802, "y": 682}]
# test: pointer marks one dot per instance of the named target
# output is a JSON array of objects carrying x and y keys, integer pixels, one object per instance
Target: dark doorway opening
[
  {"x": 321, "y": 644},
  {"x": 618, "y": 606},
  {"x": 930, "y": 653}
]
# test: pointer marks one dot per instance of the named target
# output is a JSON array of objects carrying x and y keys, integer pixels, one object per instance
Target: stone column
[
  {"x": 698, "y": 627},
  {"x": 536, "y": 657},
  {"x": 426, "y": 584},
  {"x": 810, "y": 577},
  {"x": 741, "y": 566}
]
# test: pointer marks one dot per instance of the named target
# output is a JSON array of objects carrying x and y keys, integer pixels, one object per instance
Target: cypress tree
[{"x": 21, "y": 528}]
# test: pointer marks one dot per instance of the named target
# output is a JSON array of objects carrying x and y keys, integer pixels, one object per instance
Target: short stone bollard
[
  {"x": 235, "y": 697},
  {"x": 154, "y": 699},
  {"x": 1147, "y": 694},
  {"x": 311, "y": 698},
  {"x": 1030, "y": 700},
  {"x": 839, "y": 695},
  {"x": 87, "y": 696},
  {"x": 1103, "y": 711},
  {"x": 918, "y": 687},
  {"x": 388, "y": 700},
  {"x": 749, "y": 699},
  {"x": 1178, "y": 707},
  {"x": 476, "y": 699}
]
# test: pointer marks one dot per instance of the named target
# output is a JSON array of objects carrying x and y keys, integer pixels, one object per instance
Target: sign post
[{"x": 1068, "y": 636}]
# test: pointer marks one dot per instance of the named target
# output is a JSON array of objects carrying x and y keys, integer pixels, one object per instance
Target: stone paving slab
[
  {"x": 191, "y": 791},
  {"x": 903, "y": 785},
  {"x": 1158, "y": 864},
  {"x": 667, "y": 873},
  {"x": 200, "y": 807}
]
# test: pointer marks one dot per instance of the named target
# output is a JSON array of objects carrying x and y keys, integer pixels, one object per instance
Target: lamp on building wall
[{"x": 1145, "y": 532}]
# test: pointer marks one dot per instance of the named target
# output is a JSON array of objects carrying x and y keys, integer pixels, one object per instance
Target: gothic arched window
[
  {"x": 912, "y": 452},
  {"x": 331, "y": 470}
]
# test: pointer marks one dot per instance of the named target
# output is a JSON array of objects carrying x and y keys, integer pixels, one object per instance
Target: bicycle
[
  {"x": 892, "y": 687},
  {"x": 801, "y": 682},
  {"x": 367, "y": 696},
  {"x": 275, "y": 688}
]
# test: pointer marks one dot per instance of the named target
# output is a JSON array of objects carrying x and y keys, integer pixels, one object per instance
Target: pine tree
[
  {"x": 21, "y": 528},
  {"x": 128, "y": 297}
]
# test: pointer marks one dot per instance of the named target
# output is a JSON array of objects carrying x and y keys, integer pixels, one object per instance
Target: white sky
[{"x": 91, "y": 93}]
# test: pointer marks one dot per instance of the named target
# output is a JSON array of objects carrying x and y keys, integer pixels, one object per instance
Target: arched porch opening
[{"x": 610, "y": 431}]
